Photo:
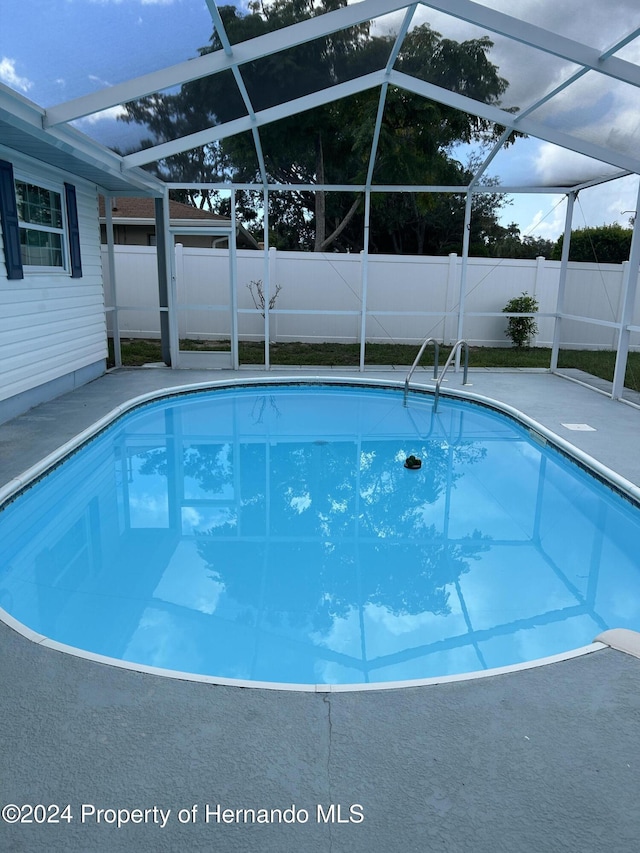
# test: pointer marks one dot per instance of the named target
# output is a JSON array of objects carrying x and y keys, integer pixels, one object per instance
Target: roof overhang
[{"x": 21, "y": 129}]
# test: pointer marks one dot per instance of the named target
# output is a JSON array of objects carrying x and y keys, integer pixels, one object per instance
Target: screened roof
[{"x": 572, "y": 70}]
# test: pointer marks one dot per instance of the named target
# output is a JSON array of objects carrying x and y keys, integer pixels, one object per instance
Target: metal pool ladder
[
  {"x": 425, "y": 343},
  {"x": 447, "y": 364}
]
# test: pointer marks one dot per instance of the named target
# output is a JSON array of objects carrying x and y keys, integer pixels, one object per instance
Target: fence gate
[{"x": 204, "y": 334}]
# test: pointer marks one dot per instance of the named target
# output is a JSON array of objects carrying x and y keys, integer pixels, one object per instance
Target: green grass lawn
[{"x": 598, "y": 363}]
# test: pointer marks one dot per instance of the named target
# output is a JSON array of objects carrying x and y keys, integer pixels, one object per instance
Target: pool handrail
[
  {"x": 454, "y": 349},
  {"x": 425, "y": 343}
]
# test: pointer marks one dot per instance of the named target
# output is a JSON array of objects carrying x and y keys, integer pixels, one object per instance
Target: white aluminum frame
[{"x": 50, "y": 128}]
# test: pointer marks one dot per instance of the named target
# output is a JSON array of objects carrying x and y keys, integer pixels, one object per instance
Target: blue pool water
[{"x": 273, "y": 533}]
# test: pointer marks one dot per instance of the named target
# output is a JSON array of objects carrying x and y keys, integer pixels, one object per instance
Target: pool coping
[
  {"x": 179, "y": 675},
  {"x": 623, "y": 640}
]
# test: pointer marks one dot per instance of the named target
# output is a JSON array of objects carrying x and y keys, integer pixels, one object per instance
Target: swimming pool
[{"x": 273, "y": 534}]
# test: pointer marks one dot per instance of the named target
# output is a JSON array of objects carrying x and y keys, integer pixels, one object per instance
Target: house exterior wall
[
  {"x": 145, "y": 235},
  {"x": 52, "y": 326}
]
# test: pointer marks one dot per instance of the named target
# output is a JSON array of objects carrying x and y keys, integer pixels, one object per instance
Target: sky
[{"x": 72, "y": 47}]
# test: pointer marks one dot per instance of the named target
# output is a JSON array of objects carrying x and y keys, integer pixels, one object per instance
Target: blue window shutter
[
  {"x": 74, "y": 231},
  {"x": 9, "y": 217}
]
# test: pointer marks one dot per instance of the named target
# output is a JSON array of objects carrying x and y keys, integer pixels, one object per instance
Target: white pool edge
[{"x": 219, "y": 681}]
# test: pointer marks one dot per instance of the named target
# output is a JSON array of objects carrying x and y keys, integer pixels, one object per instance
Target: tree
[
  {"x": 508, "y": 243},
  {"x": 604, "y": 244},
  {"x": 331, "y": 144}
]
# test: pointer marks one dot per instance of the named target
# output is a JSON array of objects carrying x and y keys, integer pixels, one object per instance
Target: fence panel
[
  {"x": 136, "y": 280},
  {"x": 428, "y": 289},
  {"x": 202, "y": 279},
  {"x": 412, "y": 284},
  {"x": 317, "y": 282}
]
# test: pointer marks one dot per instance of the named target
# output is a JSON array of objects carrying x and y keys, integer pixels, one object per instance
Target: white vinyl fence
[{"x": 407, "y": 297}]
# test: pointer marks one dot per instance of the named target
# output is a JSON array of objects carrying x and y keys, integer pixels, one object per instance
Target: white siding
[{"x": 52, "y": 325}]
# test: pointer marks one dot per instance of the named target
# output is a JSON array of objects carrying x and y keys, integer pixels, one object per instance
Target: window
[
  {"x": 39, "y": 229},
  {"x": 41, "y": 225}
]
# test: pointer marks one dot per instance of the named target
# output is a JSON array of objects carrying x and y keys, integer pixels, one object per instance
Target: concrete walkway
[{"x": 546, "y": 759}]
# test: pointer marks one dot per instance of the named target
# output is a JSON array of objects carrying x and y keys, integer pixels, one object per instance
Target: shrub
[
  {"x": 521, "y": 329},
  {"x": 256, "y": 289}
]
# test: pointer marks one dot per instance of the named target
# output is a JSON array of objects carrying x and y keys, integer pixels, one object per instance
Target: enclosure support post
[
  {"x": 117, "y": 352},
  {"x": 364, "y": 264},
  {"x": 233, "y": 284},
  {"x": 273, "y": 285},
  {"x": 562, "y": 281},
  {"x": 540, "y": 265},
  {"x": 628, "y": 304},
  {"x": 448, "y": 323},
  {"x": 466, "y": 237},
  {"x": 266, "y": 282},
  {"x": 164, "y": 250}
]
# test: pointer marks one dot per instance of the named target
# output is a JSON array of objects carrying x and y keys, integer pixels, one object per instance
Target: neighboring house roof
[{"x": 141, "y": 211}]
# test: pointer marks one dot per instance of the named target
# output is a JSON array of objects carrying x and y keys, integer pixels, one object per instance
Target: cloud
[
  {"x": 10, "y": 77},
  {"x": 532, "y": 73},
  {"x": 111, "y": 114},
  {"x": 598, "y": 110},
  {"x": 95, "y": 79},
  {"x": 604, "y": 204},
  {"x": 555, "y": 166},
  {"x": 599, "y": 205},
  {"x": 607, "y": 204},
  {"x": 549, "y": 223}
]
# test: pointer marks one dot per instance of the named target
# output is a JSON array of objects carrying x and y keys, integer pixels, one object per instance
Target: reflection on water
[{"x": 277, "y": 536}]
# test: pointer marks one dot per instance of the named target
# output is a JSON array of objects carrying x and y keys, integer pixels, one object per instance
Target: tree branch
[{"x": 346, "y": 220}]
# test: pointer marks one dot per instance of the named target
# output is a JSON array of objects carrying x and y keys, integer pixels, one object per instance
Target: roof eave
[{"x": 68, "y": 149}]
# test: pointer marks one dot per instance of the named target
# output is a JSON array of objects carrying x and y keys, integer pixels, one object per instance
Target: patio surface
[{"x": 546, "y": 759}]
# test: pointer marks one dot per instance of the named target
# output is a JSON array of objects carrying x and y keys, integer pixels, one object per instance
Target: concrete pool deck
[{"x": 545, "y": 759}]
